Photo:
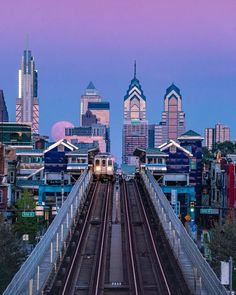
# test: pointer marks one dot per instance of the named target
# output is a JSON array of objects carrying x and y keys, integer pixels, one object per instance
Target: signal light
[{"x": 192, "y": 206}]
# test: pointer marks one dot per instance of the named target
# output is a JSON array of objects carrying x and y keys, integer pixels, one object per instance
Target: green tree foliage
[
  {"x": 223, "y": 243},
  {"x": 207, "y": 155},
  {"x": 227, "y": 147},
  {"x": 26, "y": 225},
  {"x": 11, "y": 256}
]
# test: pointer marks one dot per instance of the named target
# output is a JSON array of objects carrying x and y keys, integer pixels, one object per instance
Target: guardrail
[
  {"x": 34, "y": 272},
  {"x": 184, "y": 248}
]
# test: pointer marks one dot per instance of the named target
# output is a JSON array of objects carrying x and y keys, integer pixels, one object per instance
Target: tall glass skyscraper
[
  {"x": 135, "y": 127},
  {"x": 172, "y": 124},
  {"x": 91, "y": 95},
  {"x": 27, "y": 104},
  {"x": 3, "y": 108}
]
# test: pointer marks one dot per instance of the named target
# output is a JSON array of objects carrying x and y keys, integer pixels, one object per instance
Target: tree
[
  {"x": 223, "y": 244},
  {"x": 12, "y": 254},
  {"x": 26, "y": 225},
  {"x": 226, "y": 147},
  {"x": 207, "y": 155}
]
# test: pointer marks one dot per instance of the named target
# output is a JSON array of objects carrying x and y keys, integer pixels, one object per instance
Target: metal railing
[
  {"x": 34, "y": 272},
  {"x": 181, "y": 242}
]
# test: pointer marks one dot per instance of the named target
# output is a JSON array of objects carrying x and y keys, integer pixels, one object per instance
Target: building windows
[
  {"x": 12, "y": 177},
  {"x": 61, "y": 148},
  {"x": 173, "y": 149},
  {"x": 193, "y": 163}
]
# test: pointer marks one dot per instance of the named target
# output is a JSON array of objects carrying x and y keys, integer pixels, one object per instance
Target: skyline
[{"x": 78, "y": 42}]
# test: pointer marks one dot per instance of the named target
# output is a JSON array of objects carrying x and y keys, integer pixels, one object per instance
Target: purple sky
[{"x": 189, "y": 42}]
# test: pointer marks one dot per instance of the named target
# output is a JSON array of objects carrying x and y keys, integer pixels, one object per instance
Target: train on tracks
[{"x": 104, "y": 166}]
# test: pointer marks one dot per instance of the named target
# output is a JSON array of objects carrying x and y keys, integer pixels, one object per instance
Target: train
[{"x": 104, "y": 166}]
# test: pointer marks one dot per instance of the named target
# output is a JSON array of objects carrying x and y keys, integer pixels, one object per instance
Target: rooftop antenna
[
  {"x": 27, "y": 41},
  {"x": 135, "y": 69}
]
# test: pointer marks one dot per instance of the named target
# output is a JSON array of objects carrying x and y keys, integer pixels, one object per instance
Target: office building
[
  {"x": 135, "y": 127},
  {"x": 172, "y": 124},
  {"x": 3, "y": 108},
  {"x": 215, "y": 135},
  {"x": 91, "y": 95},
  {"x": 27, "y": 103}
]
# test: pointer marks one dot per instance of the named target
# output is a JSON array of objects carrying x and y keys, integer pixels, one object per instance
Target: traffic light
[{"x": 192, "y": 206}]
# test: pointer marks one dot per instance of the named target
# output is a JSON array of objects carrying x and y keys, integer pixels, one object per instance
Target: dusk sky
[{"x": 189, "y": 42}]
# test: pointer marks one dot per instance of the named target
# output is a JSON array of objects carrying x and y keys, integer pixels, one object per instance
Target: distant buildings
[
  {"x": 172, "y": 124},
  {"x": 27, "y": 104},
  {"x": 3, "y": 108},
  {"x": 215, "y": 135},
  {"x": 135, "y": 126},
  {"x": 91, "y": 95}
]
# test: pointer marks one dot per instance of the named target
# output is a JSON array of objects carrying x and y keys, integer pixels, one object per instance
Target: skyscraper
[
  {"x": 222, "y": 133},
  {"x": 135, "y": 128},
  {"x": 209, "y": 138},
  {"x": 91, "y": 95},
  {"x": 3, "y": 108},
  {"x": 27, "y": 104},
  {"x": 172, "y": 124},
  {"x": 215, "y": 135}
]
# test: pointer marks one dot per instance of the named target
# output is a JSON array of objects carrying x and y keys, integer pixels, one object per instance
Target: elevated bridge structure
[{"x": 127, "y": 223}]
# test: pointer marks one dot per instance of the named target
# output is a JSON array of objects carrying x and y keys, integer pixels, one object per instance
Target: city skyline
[{"x": 69, "y": 55}]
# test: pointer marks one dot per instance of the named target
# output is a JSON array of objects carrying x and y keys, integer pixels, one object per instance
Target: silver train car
[{"x": 103, "y": 167}]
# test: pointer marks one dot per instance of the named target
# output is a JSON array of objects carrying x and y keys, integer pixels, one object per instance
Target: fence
[
  {"x": 34, "y": 272},
  {"x": 198, "y": 274}
]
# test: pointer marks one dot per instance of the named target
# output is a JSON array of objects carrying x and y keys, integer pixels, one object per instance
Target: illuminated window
[
  {"x": 193, "y": 163},
  {"x": 173, "y": 149}
]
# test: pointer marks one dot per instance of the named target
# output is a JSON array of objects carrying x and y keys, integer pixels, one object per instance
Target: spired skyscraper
[
  {"x": 27, "y": 103},
  {"x": 135, "y": 127},
  {"x": 172, "y": 124}
]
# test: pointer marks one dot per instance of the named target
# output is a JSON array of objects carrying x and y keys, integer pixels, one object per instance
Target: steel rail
[
  {"x": 152, "y": 239},
  {"x": 127, "y": 214},
  {"x": 70, "y": 273},
  {"x": 106, "y": 213}
]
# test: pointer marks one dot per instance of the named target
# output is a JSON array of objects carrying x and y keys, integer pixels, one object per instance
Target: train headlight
[
  {"x": 109, "y": 168},
  {"x": 98, "y": 168}
]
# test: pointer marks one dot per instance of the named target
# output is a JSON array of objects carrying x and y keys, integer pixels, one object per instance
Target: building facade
[
  {"x": 172, "y": 124},
  {"x": 27, "y": 103},
  {"x": 3, "y": 108},
  {"x": 91, "y": 95},
  {"x": 135, "y": 126},
  {"x": 215, "y": 135}
]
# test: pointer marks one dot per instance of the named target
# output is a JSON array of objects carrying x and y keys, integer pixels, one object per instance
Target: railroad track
[
  {"x": 147, "y": 271},
  {"x": 80, "y": 272}
]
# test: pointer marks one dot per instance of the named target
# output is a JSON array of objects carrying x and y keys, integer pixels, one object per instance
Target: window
[
  {"x": 109, "y": 162},
  {"x": 159, "y": 160},
  {"x": 12, "y": 176},
  {"x": 193, "y": 163},
  {"x": 97, "y": 162},
  {"x": 172, "y": 149},
  {"x": 61, "y": 148},
  {"x": 104, "y": 163},
  {"x": 1, "y": 198}
]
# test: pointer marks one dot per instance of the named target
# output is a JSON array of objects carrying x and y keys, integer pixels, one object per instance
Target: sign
[
  {"x": 224, "y": 278},
  {"x": 25, "y": 237},
  {"x": 173, "y": 196},
  {"x": 187, "y": 217},
  {"x": 28, "y": 214},
  {"x": 209, "y": 211}
]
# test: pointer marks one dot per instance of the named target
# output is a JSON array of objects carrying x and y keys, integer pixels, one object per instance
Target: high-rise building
[
  {"x": 91, "y": 95},
  {"x": 222, "y": 133},
  {"x": 172, "y": 124},
  {"x": 102, "y": 112},
  {"x": 135, "y": 128},
  {"x": 3, "y": 108},
  {"x": 209, "y": 138},
  {"x": 27, "y": 103},
  {"x": 88, "y": 119},
  {"x": 215, "y": 135}
]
